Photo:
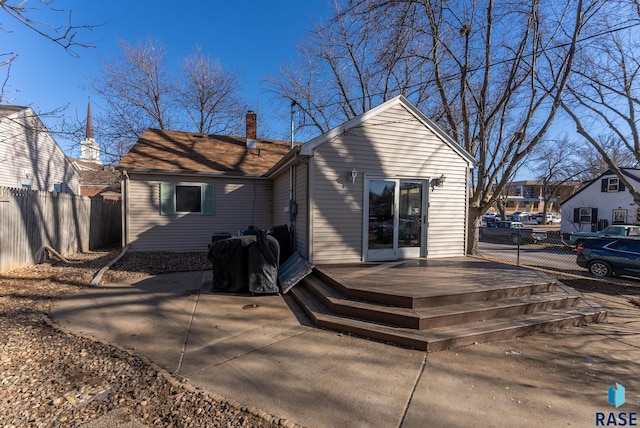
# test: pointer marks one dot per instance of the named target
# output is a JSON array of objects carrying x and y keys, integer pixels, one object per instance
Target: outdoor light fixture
[
  {"x": 438, "y": 182},
  {"x": 353, "y": 174}
]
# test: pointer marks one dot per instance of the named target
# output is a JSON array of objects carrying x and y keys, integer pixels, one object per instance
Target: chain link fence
[{"x": 553, "y": 253}]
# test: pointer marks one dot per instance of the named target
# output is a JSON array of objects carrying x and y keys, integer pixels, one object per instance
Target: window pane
[
  {"x": 613, "y": 185},
  {"x": 188, "y": 199},
  {"x": 585, "y": 215}
]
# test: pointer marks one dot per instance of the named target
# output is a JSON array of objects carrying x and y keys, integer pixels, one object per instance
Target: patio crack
[
  {"x": 413, "y": 390},
  {"x": 186, "y": 337}
]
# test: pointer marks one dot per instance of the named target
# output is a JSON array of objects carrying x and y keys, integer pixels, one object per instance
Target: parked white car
[{"x": 551, "y": 218}]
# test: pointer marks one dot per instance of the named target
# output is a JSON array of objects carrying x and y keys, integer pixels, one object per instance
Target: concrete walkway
[{"x": 262, "y": 352}]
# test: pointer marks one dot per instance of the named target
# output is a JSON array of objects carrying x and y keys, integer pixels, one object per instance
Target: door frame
[{"x": 396, "y": 252}]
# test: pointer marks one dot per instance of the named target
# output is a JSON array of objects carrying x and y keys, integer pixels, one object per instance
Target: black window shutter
[
  {"x": 620, "y": 186},
  {"x": 576, "y": 215},
  {"x": 604, "y": 184},
  {"x": 594, "y": 215}
]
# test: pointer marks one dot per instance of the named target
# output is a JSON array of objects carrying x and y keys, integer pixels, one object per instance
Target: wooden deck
[{"x": 442, "y": 303}]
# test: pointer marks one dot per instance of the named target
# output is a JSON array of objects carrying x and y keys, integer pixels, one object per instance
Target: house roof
[
  {"x": 6, "y": 110},
  {"x": 629, "y": 172},
  {"x": 92, "y": 173},
  {"x": 176, "y": 151},
  {"x": 307, "y": 148}
]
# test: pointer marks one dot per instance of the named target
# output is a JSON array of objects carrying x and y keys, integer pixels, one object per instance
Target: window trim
[
  {"x": 179, "y": 186},
  {"x": 612, "y": 185},
  {"x": 581, "y": 215},
  {"x": 619, "y": 216},
  {"x": 168, "y": 196}
]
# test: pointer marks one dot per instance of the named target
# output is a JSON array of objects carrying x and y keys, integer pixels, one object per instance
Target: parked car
[
  {"x": 551, "y": 218},
  {"x": 610, "y": 256},
  {"x": 577, "y": 238},
  {"x": 491, "y": 217},
  {"x": 519, "y": 214},
  {"x": 513, "y": 231}
]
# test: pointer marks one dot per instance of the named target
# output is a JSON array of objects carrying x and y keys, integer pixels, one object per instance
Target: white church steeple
[{"x": 89, "y": 149}]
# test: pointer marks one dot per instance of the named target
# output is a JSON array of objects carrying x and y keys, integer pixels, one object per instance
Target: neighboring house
[
  {"x": 602, "y": 202},
  {"x": 30, "y": 158},
  {"x": 528, "y": 195},
  {"x": 97, "y": 179},
  {"x": 385, "y": 185}
]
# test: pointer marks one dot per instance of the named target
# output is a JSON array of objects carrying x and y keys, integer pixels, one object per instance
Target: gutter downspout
[
  {"x": 125, "y": 203},
  {"x": 292, "y": 184}
]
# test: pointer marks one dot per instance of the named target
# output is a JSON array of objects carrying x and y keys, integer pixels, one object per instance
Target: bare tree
[
  {"x": 208, "y": 95},
  {"x": 555, "y": 165},
  {"x": 605, "y": 95},
  {"x": 141, "y": 92},
  {"x": 475, "y": 68},
  {"x": 138, "y": 92},
  {"x": 591, "y": 162},
  {"x": 34, "y": 18},
  {"x": 348, "y": 67}
]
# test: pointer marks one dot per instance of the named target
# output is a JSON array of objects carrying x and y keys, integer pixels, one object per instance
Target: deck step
[
  {"x": 453, "y": 336},
  {"x": 458, "y": 294},
  {"x": 438, "y": 316},
  {"x": 451, "y": 317}
]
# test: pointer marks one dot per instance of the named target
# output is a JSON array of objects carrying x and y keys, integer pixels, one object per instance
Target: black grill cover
[
  {"x": 246, "y": 263},
  {"x": 263, "y": 264}
]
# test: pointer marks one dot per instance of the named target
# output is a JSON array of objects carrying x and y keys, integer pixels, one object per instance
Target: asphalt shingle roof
[{"x": 185, "y": 151}]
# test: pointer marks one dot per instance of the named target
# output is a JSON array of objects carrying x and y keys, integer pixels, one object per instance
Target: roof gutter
[
  {"x": 291, "y": 158},
  {"x": 186, "y": 173}
]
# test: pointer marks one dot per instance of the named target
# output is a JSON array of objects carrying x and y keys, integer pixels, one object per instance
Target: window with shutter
[
  {"x": 186, "y": 198},
  {"x": 611, "y": 185}
]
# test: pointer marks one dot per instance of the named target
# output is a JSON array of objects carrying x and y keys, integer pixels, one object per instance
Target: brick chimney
[{"x": 252, "y": 134}]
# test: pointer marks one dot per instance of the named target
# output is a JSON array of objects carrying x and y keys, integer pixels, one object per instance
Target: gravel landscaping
[{"x": 52, "y": 379}]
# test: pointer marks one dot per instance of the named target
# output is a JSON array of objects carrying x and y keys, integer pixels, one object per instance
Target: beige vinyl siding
[
  {"x": 446, "y": 232},
  {"x": 281, "y": 198},
  {"x": 301, "y": 195},
  {"x": 28, "y": 152},
  {"x": 238, "y": 203},
  {"x": 393, "y": 144}
]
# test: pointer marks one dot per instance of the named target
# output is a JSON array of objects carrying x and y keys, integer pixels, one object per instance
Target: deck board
[{"x": 425, "y": 278}]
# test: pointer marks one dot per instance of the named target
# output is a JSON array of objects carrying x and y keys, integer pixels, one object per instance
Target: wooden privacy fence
[{"x": 31, "y": 219}]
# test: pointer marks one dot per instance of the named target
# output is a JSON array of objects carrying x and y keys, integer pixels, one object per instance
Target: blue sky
[{"x": 253, "y": 37}]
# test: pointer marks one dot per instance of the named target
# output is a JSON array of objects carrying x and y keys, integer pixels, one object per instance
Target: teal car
[{"x": 615, "y": 230}]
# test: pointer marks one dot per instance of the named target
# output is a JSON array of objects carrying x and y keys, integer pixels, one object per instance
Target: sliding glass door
[{"x": 395, "y": 220}]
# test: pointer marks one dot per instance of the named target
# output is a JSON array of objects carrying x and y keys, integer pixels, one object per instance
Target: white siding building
[
  {"x": 30, "y": 158},
  {"x": 602, "y": 202}
]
